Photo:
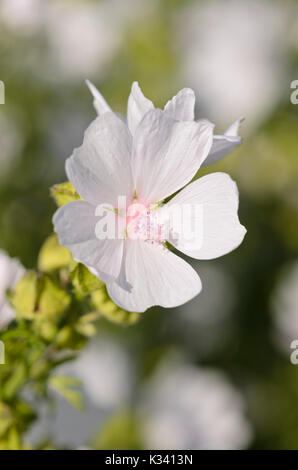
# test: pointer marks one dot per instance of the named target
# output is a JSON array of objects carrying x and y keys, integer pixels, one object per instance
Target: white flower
[
  {"x": 11, "y": 271},
  {"x": 84, "y": 37},
  {"x": 180, "y": 107},
  {"x": 24, "y": 16},
  {"x": 80, "y": 36},
  {"x": 148, "y": 161},
  {"x": 106, "y": 373},
  {"x": 185, "y": 407},
  {"x": 235, "y": 51}
]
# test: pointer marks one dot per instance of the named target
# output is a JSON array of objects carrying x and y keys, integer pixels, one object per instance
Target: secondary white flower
[
  {"x": 24, "y": 16},
  {"x": 83, "y": 37},
  {"x": 80, "y": 37},
  {"x": 236, "y": 52},
  {"x": 185, "y": 407},
  {"x": 106, "y": 373},
  {"x": 180, "y": 107},
  {"x": 147, "y": 162},
  {"x": 11, "y": 271}
]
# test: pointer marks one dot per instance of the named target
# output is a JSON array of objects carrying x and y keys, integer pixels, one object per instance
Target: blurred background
[{"x": 216, "y": 372}]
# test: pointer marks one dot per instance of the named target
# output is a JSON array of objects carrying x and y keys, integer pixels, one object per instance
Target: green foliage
[
  {"x": 121, "y": 431},
  {"x": 265, "y": 168},
  {"x": 111, "y": 311},
  {"x": 57, "y": 309},
  {"x": 67, "y": 387},
  {"x": 84, "y": 281},
  {"x": 6, "y": 418},
  {"x": 53, "y": 256},
  {"x": 64, "y": 193},
  {"x": 38, "y": 297}
]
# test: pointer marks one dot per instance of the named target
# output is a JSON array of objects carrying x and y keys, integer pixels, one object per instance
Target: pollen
[{"x": 146, "y": 225}]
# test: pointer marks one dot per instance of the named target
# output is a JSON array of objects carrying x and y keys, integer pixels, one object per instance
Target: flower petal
[
  {"x": 99, "y": 102},
  {"x": 167, "y": 154},
  {"x": 224, "y": 144},
  {"x": 75, "y": 225},
  {"x": 182, "y": 106},
  {"x": 218, "y": 228},
  {"x": 100, "y": 168},
  {"x": 157, "y": 277},
  {"x": 138, "y": 105}
]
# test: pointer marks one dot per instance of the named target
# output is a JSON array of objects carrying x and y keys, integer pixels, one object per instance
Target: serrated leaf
[
  {"x": 84, "y": 281},
  {"x": 110, "y": 310},
  {"x": 64, "y": 193},
  {"x": 53, "y": 256}
]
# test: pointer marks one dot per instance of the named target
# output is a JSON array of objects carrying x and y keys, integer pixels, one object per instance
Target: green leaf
[
  {"x": 6, "y": 418},
  {"x": 64, "y": 193},
  {"x": 69, "y": 338},
  {"x": 38, "y": 298},
  {"x": 15, "y": 381},
  {"x": 47, "y": 330},
  {"x": 110, "y": 310},
  {"x": 13, "y": 440},
  {"x": 84, "y": 281},
  {"x": 86, "y": 329},
  {"x": 53, "y": 256},
  {"x": 67, "y": 388},
  {"x": 53, "y": 300},
  {"x": 25, "y": 294}
]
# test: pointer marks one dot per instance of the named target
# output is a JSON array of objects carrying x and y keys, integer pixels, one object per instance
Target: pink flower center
[{"x": 144, "y": 224}]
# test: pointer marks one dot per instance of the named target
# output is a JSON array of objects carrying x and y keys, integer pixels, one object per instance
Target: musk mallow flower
[
  {"x": 11, "y": 271},
  {"x": 180, "y": 107},
  {"x": 185, "y": 407},
  {"x": 106, "y": 372},
  {"x": 145, "y": 163}
]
